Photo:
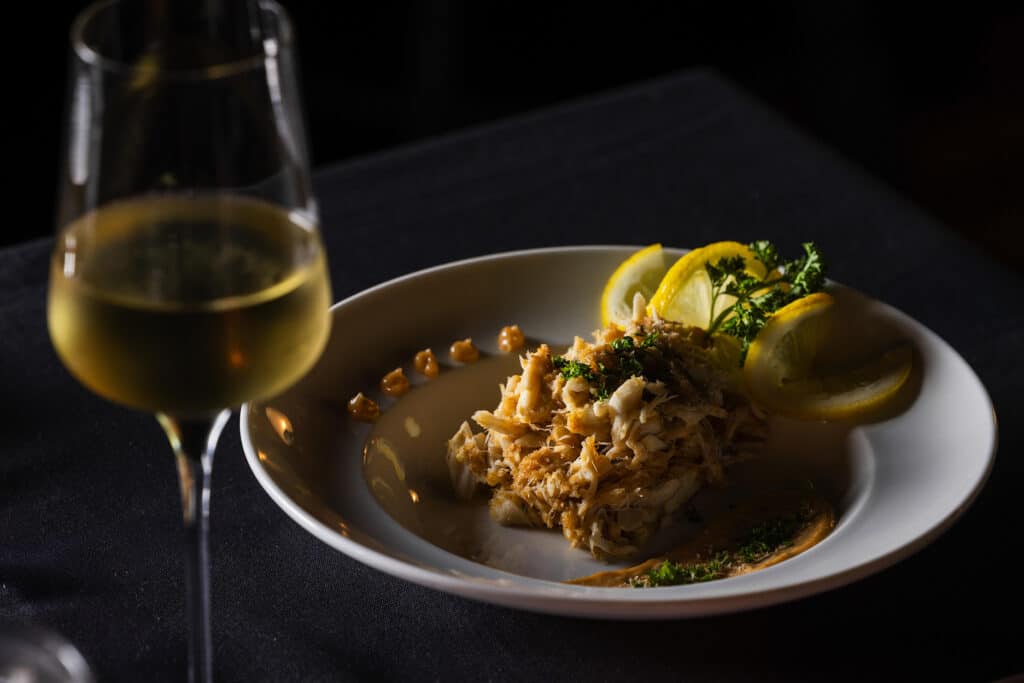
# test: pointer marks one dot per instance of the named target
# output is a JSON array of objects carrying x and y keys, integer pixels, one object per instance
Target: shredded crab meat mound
[{"x": 608, "y": 449}]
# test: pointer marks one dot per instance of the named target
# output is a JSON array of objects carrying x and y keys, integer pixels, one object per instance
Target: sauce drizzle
[{"x": 755, "y": 535}]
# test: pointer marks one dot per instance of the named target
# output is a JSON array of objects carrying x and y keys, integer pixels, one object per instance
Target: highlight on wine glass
[{"x": 188, "y": 274}]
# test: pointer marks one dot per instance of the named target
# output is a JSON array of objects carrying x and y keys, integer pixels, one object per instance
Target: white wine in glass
[
  {"x": 188, "y": 274},
  {"x": 188, "y": 305}
]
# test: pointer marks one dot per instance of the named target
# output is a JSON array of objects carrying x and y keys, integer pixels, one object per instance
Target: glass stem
[{"x": 194, "y": 440}]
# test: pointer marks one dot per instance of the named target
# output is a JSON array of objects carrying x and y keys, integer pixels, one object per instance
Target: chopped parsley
[
  {"x": 573, "y": 368},
  {"x": 762, "y": 540},
  {"x": 766, "y": 538},
  {"x": 650, "y": 340},
  {"x": 624, "y": 361},
  {"x": 670, "y": 573}
]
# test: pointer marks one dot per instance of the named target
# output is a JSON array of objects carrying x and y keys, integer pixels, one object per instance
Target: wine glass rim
[{"x": 94, "y": 57}]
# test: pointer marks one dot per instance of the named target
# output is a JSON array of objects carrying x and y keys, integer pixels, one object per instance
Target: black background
[{"x": 929, "y": 100}]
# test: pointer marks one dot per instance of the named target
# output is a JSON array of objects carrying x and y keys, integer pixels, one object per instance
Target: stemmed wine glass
[{"x": 188, "y": 274}]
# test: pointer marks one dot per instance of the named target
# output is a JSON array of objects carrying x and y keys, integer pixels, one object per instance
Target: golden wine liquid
[{"x": 188, "y": 305}]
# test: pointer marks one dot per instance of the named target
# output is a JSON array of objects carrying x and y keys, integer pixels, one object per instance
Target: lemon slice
[
  {"x": 641, "y": 273},
  {"x": 684, "y": 294},
  {"x": 801, "y": 367}
]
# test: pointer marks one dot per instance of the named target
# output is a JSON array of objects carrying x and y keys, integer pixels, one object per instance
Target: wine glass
[{"x": 188, "y": 274}]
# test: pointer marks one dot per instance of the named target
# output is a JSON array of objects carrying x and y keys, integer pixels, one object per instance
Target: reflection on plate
[{"x": 380, "y": 493}]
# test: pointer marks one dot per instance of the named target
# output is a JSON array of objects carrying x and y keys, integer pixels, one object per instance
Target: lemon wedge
[
  {"x": 684, "y": 294},
  {"x": 641, "y": 273},
  {"x": 801, "y": 366}
]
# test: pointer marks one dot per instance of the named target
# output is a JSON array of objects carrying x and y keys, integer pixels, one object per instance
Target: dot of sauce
[
  {"x": 395, "y": 383},
  {"x": 463, "y": 351},
  {"x": 425, "y": 363},
  {"x": 511, "y": 339},
  {"x": 363, "y": 409}
]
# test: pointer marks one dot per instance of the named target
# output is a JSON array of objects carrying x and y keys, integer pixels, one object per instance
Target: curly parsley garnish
[{"x": 757, "y": 299}]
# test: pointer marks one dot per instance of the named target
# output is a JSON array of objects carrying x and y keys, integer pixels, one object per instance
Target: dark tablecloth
[{"x": 89, "y": 515}]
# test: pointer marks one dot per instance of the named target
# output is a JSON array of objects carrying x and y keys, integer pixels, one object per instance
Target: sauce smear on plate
[{"x": 752, "y": 536}]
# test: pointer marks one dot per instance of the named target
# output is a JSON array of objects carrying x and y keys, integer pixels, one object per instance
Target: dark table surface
[{"x": 89, "y": 515}]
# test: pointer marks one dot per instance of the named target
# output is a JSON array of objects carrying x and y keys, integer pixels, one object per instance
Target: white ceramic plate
[{"x": 380, "y": 494}]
